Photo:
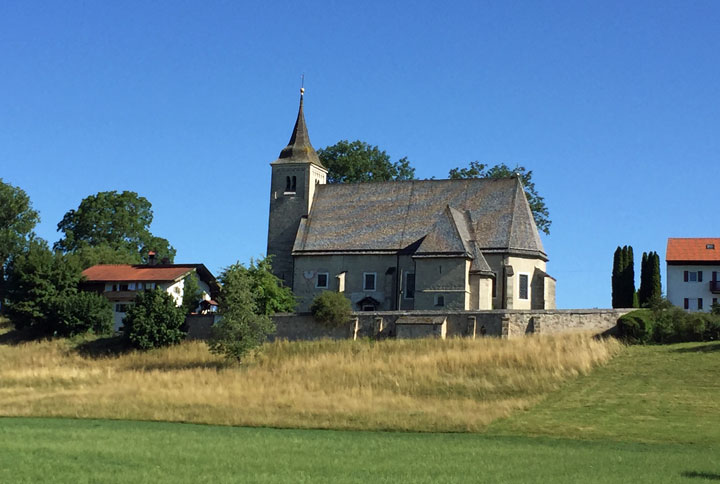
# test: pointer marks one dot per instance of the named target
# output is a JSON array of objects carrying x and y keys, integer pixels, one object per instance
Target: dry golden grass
[{"x": 426, "y": 385}]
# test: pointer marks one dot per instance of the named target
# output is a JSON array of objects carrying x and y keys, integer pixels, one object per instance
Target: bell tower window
[{"x": 290, "y": 184}]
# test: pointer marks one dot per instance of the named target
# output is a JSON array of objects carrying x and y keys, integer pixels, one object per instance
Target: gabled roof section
[
  {"x": 702, "y": 249},
  {"x": 299, "y": 149},
  {"x": 391, "y": 216},
  {"x": 523, "y": 225},
  {"x": 444, "y": 237}
]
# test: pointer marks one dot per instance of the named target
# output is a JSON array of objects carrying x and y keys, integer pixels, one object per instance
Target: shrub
[
  {"x": 83, "y": 312},
  {"x": 331, "y": 308},
  {"x": 712, "y": 328},
  {"x": 690, "y": 328},
  {"x": 666, "y": 323},
  {"x": 154, "y": 321},
  {"x": 636, "y": 326},
  {"x": 241, "y": 328}
]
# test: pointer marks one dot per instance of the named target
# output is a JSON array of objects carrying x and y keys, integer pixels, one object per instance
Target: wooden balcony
[{"x": 715, "y": 287}]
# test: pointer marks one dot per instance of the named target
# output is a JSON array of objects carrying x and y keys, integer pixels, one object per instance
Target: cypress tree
[
  {"x": 655, "y": 284},
  {"x": 630, "y": 277},
  {"x": 643, "y": 292},
  {"x": 617, "y": 268}
]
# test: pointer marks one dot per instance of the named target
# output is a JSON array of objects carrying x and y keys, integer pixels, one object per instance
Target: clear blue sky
[{"x": 615, "y": 106}]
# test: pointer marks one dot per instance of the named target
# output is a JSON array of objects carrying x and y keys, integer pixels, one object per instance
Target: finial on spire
[{"x": 302, "y": 84}]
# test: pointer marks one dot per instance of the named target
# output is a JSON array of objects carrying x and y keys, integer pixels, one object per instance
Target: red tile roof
[
  {"x": 125, "y": 272},
  {"x": 696, "y": 249}
]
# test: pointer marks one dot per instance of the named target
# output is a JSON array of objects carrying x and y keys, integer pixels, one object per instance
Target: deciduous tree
[
  {"x": 192, "y": 295},
  {"x": 357, "y": 161},
  {"x": 112, "y": 220},
  {"x": 242, "y": 327},
  {"x": 154, "y": 321},
  {"x": 43, "y": 295},
  {"x": 17, "y": 221}
]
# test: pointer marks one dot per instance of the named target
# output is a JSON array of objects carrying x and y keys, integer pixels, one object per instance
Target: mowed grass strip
[
  {"x": 419, "y": 385},
  {"x": 80, "y": 451},
  {"x": 664, "y": 393}
]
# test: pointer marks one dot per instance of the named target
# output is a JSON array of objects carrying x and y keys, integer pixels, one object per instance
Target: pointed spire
[{"x": 299, "y": 149}]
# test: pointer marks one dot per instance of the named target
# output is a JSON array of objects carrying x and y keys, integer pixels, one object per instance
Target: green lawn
[
  {"x": 76, "y": 451},
  {"x": 663, "y": 394},
  {"x": 651, "y": 415}
]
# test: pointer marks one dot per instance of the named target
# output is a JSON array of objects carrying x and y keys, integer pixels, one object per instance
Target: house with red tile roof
[
  {"x": 120, "y": 283},
  {"x": 693, "y": 272}
]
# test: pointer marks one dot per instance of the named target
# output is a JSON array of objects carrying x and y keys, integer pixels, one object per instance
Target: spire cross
[{"x": 302, "y": 84}]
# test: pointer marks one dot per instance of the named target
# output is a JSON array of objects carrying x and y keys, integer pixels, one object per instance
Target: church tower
[{"x": 295, "y": 174}]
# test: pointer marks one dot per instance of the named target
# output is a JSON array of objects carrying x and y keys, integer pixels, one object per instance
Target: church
[{"x": 403, "y": 245}]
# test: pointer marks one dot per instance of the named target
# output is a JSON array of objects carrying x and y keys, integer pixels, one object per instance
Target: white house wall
[{"x": 678, "y": 289}]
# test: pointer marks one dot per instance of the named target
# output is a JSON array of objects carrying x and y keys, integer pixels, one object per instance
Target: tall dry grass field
[{"x": 426, "y": 385}]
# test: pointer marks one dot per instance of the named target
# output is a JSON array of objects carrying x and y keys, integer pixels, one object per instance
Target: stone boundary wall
[
  {"x": 198, "y": 325},
  {"x": 497, "y": 322}
]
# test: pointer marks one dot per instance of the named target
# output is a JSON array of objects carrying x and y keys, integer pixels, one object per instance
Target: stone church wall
[{"x": 499, "y": 323}]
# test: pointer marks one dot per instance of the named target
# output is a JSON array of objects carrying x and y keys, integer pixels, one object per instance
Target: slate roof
[
  {"x": 693, "y": 250},
  {"x": 299, "y": 149},
  {"x": 440, "y": 217}
]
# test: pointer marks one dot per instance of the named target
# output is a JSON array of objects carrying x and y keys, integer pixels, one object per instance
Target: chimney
[{"x": 151, "y": 258}]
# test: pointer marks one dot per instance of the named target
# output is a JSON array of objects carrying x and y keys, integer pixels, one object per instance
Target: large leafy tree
[
  {"x": 43, "y": 296},
  {"x": 17, "y": 221},
  {"x": 269, "y": 295},
  {"x": 357, "y": 161},
  {"x": 243, "y": 326},
  {"x": 537, "y": 203},
  {"x": 115, "y": 222}
]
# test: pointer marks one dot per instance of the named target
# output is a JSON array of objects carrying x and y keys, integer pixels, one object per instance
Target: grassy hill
[
  {"x": 563, "y": 410},
  {"x": 421, "y": 385}
]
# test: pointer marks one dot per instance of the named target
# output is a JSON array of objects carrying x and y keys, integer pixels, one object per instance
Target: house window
[
  {"x": 710, "y": 246},
  {"x": 494, "y": 284},
  {"x": 322, "y": 280},
  {"x": 368, "y": 307},
  {"x": 686, "y": 303},
  {"x": 131, "y": 286},
  {"x": 149, "y": 285},
  {"x": 523, "y": 289},
  {"x": 700, "y": 304},
  {"x": 693, "y": 276},
  {"x": 123, "y": 287},
  {"x": 139, "y": 286},
  {"x": 410, "y": 285},
  {"x": 121, "y": 308},
  {"x": 369, "y": 281},
  {"x": 439, "y": 300}
]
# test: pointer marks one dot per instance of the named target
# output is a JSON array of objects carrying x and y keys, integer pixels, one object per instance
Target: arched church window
[
  {"x": 294, "y": 184},
  {"x": 287, "y": 183}
]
